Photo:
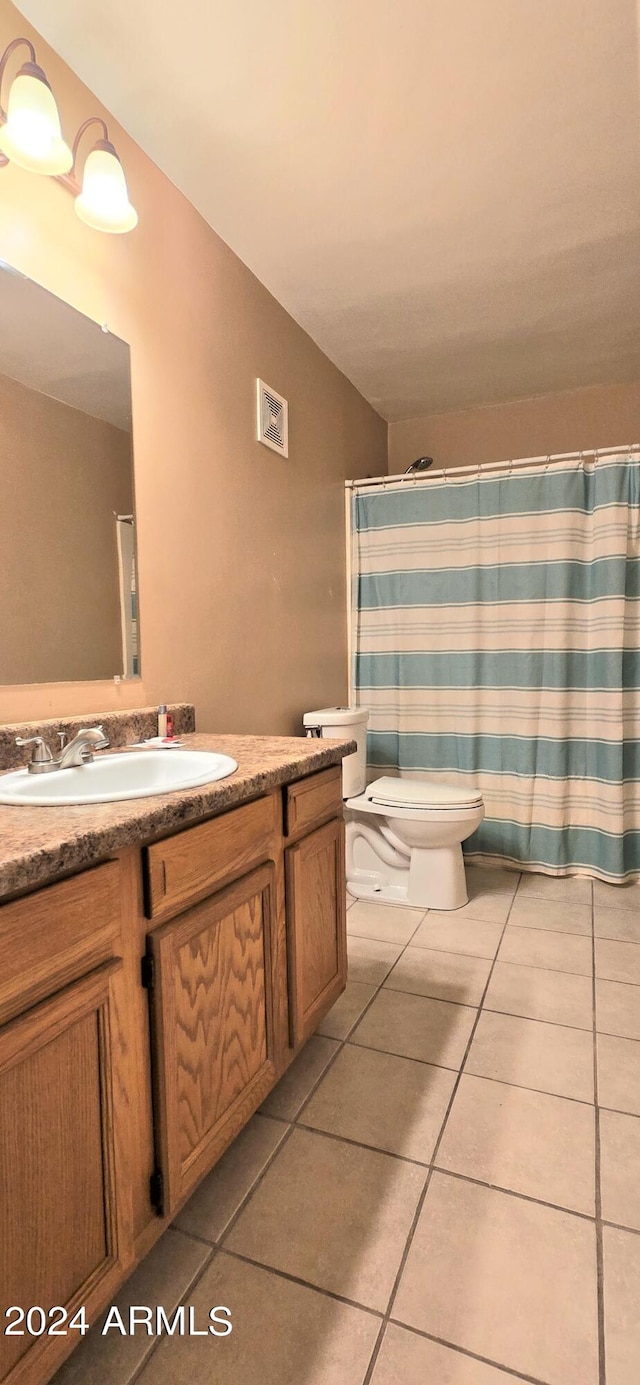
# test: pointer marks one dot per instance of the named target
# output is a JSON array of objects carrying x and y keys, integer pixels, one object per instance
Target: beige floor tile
[
  {"x": 293, "y": 1089},
  {"x": 283, "y": 1334},
  {"x": 447, "y": 933},
  {"x": 390, "y": 1103},
  {"x": 619, "y": 1074},
  {"x": 218, "y": 1197},
  {"x": 616, "y": 896},
  {"x": 618, "y": 961},
  {"x": 618, "y": 1009},
  {"x": 550, "y": 915},
  {"x": 529, "y": 1142},
  {"x": 333, "y": 1214},
  {"x": 570, "y": 889},
  {"x": 619, "y": 1168},
  {"x": 387, "y": 923},
  {"x": 416, "y": 1027},
  {"x": 621, "y": 1299},
  {"x": 492, "y": 907},
  {"x": 498, "y": 1275},
  {"x": 161, "y": 1280},
  {"x": 532, "y": 947},
  {"x": 406, "y": 1359},
  {"x": 555, "y": 996},
  {"x": 484, "y": 880},
  {"x": 528, "y": 1053},
  {"x": 622, "y": 924},
  {"x": 347, "y": 1010},
  {"x": 441, "y": 975},
  {"x": 369, "y": 960}
]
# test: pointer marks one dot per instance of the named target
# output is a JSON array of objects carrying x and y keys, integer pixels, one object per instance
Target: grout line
[
  {"x": 560, "y": 1024},
  {"x": 484, "y": 1077},
  {"x": 602, "y": 1365},
  {"x": 471, "y": 1355},
  {"x": 361, "y": 1144},
  {"x": 512, "y": 1192},
  {"x": 254, "y": 1186},
  {"x": 304, "y": 1283},
  {"x": 346, "y": 1038},
  {"x": 491, "y": 1009},
  {"x": 425, "y": 1190},
  {"x": 193, "y": 1284}
]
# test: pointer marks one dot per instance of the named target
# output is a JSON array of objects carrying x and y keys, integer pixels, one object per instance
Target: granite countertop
[{"x": 38, "y": 844}]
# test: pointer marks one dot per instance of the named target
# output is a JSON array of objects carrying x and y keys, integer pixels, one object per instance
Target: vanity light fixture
[
  {"x": 30, "y": 136},
  {"x": 103, "y": 201}
]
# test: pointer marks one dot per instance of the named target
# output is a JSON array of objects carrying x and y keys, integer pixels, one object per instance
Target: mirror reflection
[{"x": 67, "y": 519}]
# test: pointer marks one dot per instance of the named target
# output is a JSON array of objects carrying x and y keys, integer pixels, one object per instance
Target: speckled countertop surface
[{"x": 38, "y": 844}]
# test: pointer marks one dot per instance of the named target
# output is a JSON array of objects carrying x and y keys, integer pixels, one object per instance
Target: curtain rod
[{"x": 484, "y": 467}]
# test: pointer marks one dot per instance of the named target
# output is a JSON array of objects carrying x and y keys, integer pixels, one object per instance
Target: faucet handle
[{"x": 41, "y": 754}]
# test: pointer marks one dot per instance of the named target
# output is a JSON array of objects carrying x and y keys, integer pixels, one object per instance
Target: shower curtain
[{"x": 495, "y": 624}]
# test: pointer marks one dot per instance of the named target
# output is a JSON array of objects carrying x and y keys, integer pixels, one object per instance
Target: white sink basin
[{"x": 110, "y": 778}]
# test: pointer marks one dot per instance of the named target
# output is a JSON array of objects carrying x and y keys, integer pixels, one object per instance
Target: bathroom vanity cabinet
[{"x": 147, "y": 1007}]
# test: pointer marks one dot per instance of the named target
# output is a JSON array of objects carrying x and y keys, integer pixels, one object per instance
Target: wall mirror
[{"x": 67, "y": 516}]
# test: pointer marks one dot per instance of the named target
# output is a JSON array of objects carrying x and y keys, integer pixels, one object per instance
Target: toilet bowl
[
  {"x": 404, "y": 842},
  {"x": 403, "y": 836}
]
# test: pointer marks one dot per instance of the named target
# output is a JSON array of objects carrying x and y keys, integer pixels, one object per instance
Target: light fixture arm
[
  {"x": 11, "y": 48},
  {"x": 8, "y": 52},
  {"x": 70, "y": 179}
]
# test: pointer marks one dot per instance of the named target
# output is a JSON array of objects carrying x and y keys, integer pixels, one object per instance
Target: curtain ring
[
  {"x": 444, "y": 472},
  {"x": 510, "y": 465},
  {"x": 547, "y": 463}
]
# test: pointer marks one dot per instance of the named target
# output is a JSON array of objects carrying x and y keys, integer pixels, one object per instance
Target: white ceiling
[
  {"x": 52, "y": 348},
  {"x": 446, "y": 195}
]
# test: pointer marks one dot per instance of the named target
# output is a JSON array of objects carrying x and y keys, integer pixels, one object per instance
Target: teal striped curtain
[{"x": 496, "y": 622}]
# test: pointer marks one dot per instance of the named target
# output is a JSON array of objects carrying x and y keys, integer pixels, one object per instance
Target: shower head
[{"x": 422, "y": 464}]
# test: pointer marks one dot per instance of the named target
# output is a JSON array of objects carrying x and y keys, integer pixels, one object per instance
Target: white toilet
[{"x": 404, "y": 836}]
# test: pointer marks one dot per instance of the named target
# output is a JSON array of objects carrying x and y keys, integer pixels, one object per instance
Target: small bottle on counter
[
  {"x": 162, "y": 720},
  {"x": 169, "y": 731}
]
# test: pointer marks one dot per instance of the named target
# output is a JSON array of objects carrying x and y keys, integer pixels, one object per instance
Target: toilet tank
[{"x": 344, "y": 724}]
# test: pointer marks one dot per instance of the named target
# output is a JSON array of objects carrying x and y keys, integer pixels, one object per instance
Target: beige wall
[
  {"x": 63, "y": 475},
  {"x": 241, "y": 553},
  {"x": 601, "y": 416}
]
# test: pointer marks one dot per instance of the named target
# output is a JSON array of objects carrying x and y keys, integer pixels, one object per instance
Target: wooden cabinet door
[
  {"x": 65, "y": 1233},
  {"x": 316, "y": 927},
  {"x": 215, "y": 1043}
]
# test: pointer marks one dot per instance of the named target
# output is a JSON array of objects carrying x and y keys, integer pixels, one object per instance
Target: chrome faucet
[{"x": 79, "y": 751}]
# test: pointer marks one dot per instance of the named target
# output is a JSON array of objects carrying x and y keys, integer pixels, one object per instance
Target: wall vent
[{"x": 273, "y": 419}]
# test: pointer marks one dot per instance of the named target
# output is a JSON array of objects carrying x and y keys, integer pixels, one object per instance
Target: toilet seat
[{"x": 390, "y": 792}]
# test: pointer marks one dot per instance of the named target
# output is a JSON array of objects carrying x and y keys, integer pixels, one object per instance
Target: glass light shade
[
  {"x": 31, "y": 136},
  {"x": 104, "y": 201}
]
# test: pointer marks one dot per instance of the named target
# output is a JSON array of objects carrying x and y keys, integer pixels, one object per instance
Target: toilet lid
[{"x": 421, "y": 793}]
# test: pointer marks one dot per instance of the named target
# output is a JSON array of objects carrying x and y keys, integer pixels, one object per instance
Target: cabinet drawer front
[
  {"x": 183, "y": 868},
  {"x": 314, "y": 800},
  {"x": 214, "y": 1030},
  {"x": 57, "y": 934}
]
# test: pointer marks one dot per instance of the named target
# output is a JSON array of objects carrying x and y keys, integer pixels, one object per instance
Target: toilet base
[
  {"x": 437, "y": 878},
  {"x": 434, "y": 879}
]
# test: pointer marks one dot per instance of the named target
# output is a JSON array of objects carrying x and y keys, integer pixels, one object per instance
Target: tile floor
[{"x": 444, "y": 1189}]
